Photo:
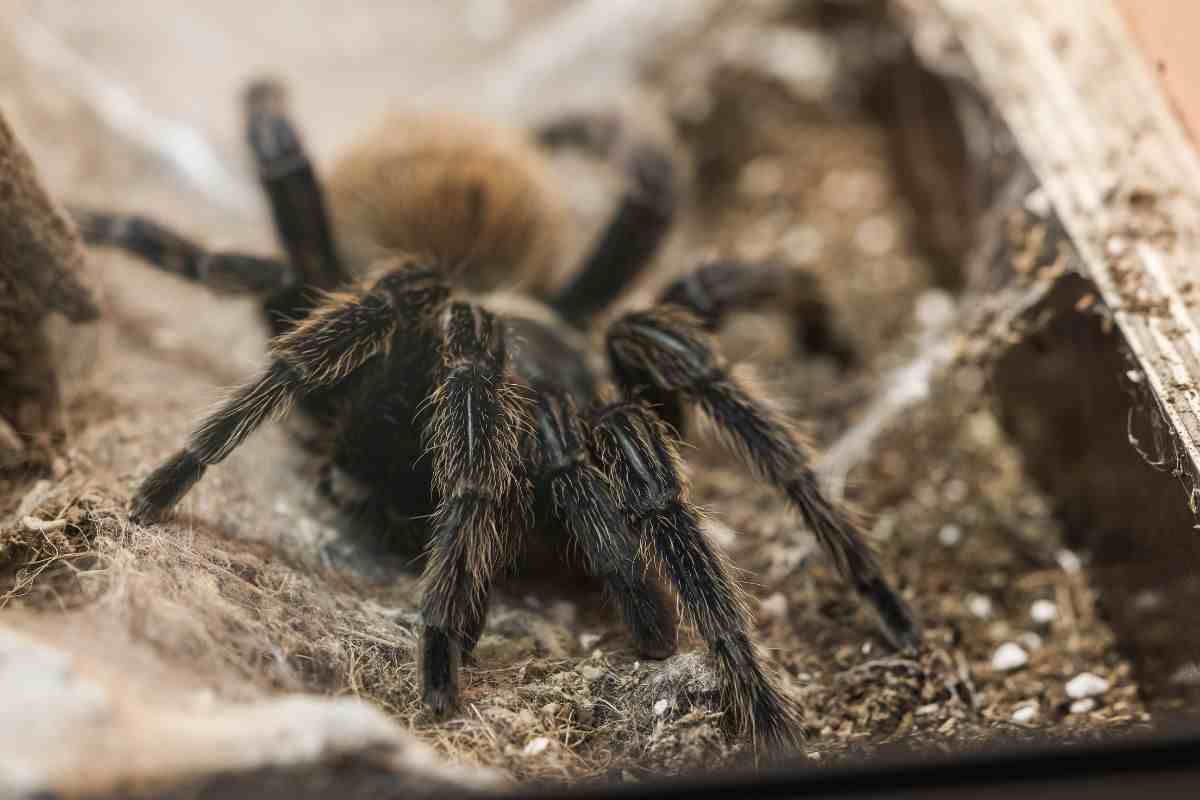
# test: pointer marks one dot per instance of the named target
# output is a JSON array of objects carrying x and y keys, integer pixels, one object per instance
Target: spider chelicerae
[{"x": 477, "y": 415}]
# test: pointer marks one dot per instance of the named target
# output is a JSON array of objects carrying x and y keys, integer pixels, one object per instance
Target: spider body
[{"x": 468, "y": 414}]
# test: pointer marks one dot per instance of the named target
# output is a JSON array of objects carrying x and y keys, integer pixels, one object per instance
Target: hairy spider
[{"x": 393, "y": 337}]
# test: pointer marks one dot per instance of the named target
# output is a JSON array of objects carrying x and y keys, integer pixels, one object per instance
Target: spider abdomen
[{"x": 474, "y": 198}]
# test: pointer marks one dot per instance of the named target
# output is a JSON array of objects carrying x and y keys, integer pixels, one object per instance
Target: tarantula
[{"x": 391, "y": 333}]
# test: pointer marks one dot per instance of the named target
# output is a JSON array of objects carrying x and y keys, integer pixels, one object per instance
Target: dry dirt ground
[{"x": 255, "y": 587}]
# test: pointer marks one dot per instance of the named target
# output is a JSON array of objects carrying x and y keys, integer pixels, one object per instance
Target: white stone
[
  {"x": 1070, "y": 563},
  {"x": 1086, "y": 684},
  {"x": 1025, "y": 715},
  {"x": 537, "y": 746},
  {"x": 979, "y": 605},
  {"x": 1083, "y": 706},
  {"x": 1009, "y": 656},
  {"x": 950, "y": 535},
  {"x": 1043, "y": 612}
]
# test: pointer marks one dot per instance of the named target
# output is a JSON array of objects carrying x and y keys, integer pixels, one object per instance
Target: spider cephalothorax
[{"x": 389, "y": 336}]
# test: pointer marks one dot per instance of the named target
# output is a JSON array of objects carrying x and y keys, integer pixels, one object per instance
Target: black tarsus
[
  {"x": 581, "y": 501},
  {"x": 667, "y": 347},
  {"x": 169, "y": 251},
  {"x": 714, "y": 290}
]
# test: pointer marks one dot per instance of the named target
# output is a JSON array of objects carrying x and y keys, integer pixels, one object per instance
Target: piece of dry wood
[{"x": 1116, "y": 163}]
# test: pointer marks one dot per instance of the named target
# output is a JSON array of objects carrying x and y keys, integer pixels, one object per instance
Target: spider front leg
[
  {"x": 639, "y": 453},
  {"x": 333, "y": 342},
  {"x": 664, "y": 354},
  {"x": 474, "y": 434},
  {"x": 581, "y": 501}
]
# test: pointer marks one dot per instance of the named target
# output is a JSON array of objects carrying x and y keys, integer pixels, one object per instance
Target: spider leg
[
  {"x": 169, "y": 251},
  {"x": 721, "y": 287},
  {"x": 474, "y": 434},
  {"x": 665, "y": 351},
  {"x": 290, "y": 183},
  {"x": 582, "y": 502},
  {"x": 636, "y": 228},
  {"x": 639, "y": 453},
  {"x": 345, "y": 332}
]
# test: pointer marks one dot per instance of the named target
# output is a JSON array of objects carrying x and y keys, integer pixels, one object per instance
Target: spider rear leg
[
  {"x": 582, "y": 502},
  {"x": 665, "y": 352},
  {"x": 721, "y": 287},
  {"x": 290, "y": 183},
  {"x": 637, "y": 227},
  {"x": 639, "y": 454},
  {"x": 161, "y": 247},
  {"x": 323, "y": 350},
  {"x": 474, "y": 433}
]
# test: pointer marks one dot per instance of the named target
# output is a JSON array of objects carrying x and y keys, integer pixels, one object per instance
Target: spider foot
[
  {"x": 163, "y": 488},
  {"x": 897, "y": 621},
  {"x": 757, "y": 707},
  {"x": 439, "y": 663}
]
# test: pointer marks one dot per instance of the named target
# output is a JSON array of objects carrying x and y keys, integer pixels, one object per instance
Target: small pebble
[
  {"x": 1187, "y": 675},
  {"x": 1069, "y": 562},
  {"x": 979, "y": 606},
  {"x": 775, "y": 606},
  {"x": 1083, "y": 706},
  {"x": 1148, "y": 600},
  {"x": 1025, "y": 715},
  {"x": 1043, "y": 612},
  {"x": 537, "y": 746},
  {"x": 1009, "y": 656},
  {"x": 660, "y": 707},
  {"x": 1086, "y": 684},
  {"x": 950, "y": 535}
]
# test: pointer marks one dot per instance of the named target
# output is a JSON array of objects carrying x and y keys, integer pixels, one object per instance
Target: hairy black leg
[
  {"x": 636, "y": 229},
  {"x": 170, "y": 252},
  {"x": 582, "y": 502},
  {"x": 290, "y": 183},
  {"x": 667, "y": 347},
  {"x": 474, "y": 431},
  {"x": 639, "y": 453},
  {"x": 716, "y": 289},
  {"x": 324, "y": 349}
]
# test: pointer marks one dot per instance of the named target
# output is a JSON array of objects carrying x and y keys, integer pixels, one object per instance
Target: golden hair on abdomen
[{"x": 476, "y": 198}]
